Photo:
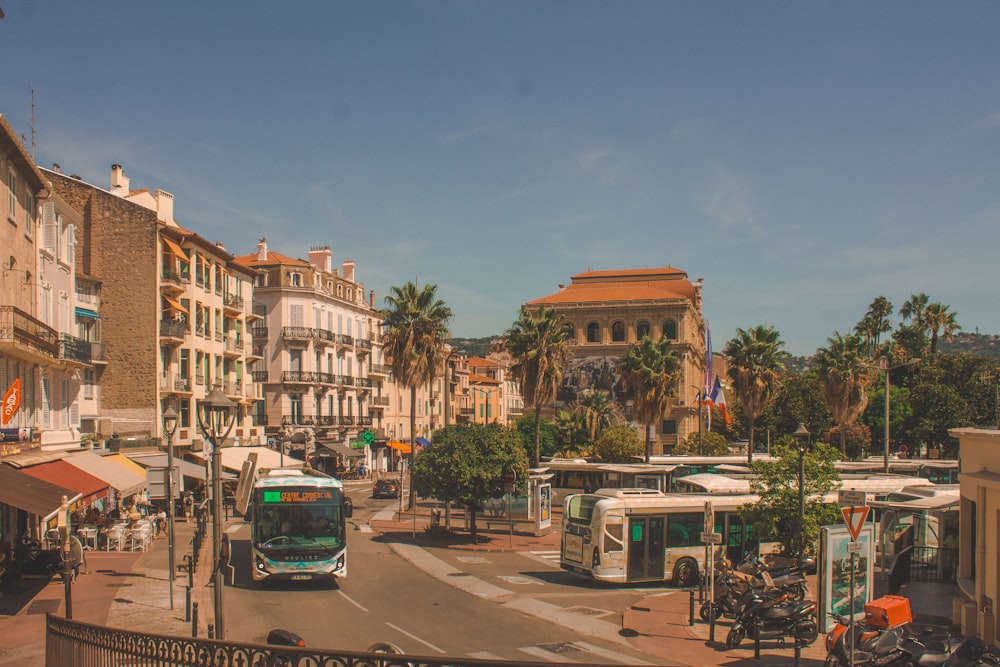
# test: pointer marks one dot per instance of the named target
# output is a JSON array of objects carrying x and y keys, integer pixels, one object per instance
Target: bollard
[
  {"x": 798, "y": 652},
  {"x": 756, "y": 641},
  {"x": 211, "y": 631},
  {"x": 194, "y": 619},
  {"x": 187, "y": 604},
  {"x": 711, "y": 622},
  {"x": 691, "y": 608}
]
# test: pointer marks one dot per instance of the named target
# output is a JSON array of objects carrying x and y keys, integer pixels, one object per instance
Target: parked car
[{"x": 386, "y": 488}]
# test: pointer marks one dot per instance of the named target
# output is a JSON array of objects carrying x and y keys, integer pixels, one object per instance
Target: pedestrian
[{"x": 188, "y": 507}]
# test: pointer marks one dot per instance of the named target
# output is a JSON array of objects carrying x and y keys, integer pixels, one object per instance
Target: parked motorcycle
[
  {"x": 32, "y": 560},
  {"x": 731, "y": 584},
  {"x": 969, "y": 652},
  {"x": 790, "y": 577},
  {"x": 771, "y": 614}
]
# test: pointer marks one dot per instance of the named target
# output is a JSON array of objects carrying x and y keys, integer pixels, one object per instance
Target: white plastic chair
[{"x": 116, "y": 537}]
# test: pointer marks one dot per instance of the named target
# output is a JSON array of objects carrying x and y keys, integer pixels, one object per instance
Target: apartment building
[
  {"x": 611, "y": 310},
  {"x": 174, "y": 312},
  {"x": 323, "y": 375}
]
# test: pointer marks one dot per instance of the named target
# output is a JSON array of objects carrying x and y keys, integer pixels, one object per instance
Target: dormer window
[{"x": 295, "y": 279}]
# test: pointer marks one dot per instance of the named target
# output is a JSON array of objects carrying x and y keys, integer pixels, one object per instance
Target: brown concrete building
[{"x": 611, "y": 310}]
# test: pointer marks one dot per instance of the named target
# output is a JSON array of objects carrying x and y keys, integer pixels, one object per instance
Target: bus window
[
  {"x": 684, "y": 530},
  {"x": 614, "y": 533}
]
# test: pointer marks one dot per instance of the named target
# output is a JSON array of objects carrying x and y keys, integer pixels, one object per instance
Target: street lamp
[
  {"x": 169, "y": 428},
  {"x": 216, "y": 417},
  {"x": 700, "y": 397},
  {"x": 802, "y": 437},
  {"x": 886, "y": 368}
]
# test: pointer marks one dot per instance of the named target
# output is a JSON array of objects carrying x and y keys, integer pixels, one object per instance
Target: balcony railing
[
  {"x": 173, "y": 383},
  {"x": 345, "y": 380},
  {"x": 259, "y": 376},
  {"x": 325, "y": 378},
  {"x": 379, "y": 369},
  {"x": 346, "y": 420},
  {"x": 74, "y": 349},
  {"x": 234, "y": 344},
  {"x": 260, "y": 333},
  {"x": 259, "y": 309},
  {"x": 363, "y": 382},
  {"x": 379, "y": 401},
  {"x": 296, "y": 332},
  {"x": 301, "y": 377},
  {"x": 98, "y": 351},
  {"x": 174, "y": 276},
  {"x": 363, "y": 344},
  {"x": 173, "y": 328},
  {"x": 364, "y": 420},
  {"x": 233, "y": 302},
  {"x": 325, "y": 420},
  {"x": 323, "y": 335},
  {"x": 16, "y": 326},
  {"x": 344, "y": 339}
]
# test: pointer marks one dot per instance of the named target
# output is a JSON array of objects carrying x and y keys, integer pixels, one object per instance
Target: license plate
[{"x": 301, "y": 577}]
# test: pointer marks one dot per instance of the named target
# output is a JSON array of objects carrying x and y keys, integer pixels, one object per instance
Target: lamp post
[
  {"x": 700, "y": 397},
  {"x": 886, "y": 368},
  {"x": 802, "y": 437},
  {"x": 169, "y": 428},
  {"x": 216, "y": 417}
]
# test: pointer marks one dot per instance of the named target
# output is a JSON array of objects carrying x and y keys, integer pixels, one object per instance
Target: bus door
[
  {"x": 738, "y": 536},
  {"x": 646, "y": 548}
]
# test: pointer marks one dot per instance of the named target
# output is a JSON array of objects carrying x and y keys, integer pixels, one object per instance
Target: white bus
[{"x": 639, "y": 535}]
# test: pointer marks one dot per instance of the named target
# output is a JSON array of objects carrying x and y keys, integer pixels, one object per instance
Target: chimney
[
  {"x": 321, "y": 257},
  {"x": 56, "y": 167},
  {"x": 220, "y": 246},
  {"x": 349, "y": 271},
  {"x": 165, "y": 207},
  {"x": 119, "y": 181},
  {"x": 262, "y": 249},
  {"x": 371, "y": 299}
]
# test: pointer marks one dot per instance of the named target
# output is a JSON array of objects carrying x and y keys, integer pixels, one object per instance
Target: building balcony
[
  {"x": 259, "y": 376},
  {"x": 325, "y": 378},
  {"x": 346, "y": 420},
  {"x": 74, "y": 350},
  {"x": 174, "y": 281},
  {"x": 365, "y": 420},
  {"x": 296, "y": 334},
  {"x": 172, "y": 383},
  {"x": 259, "y": 333},
  {"x": 299, "y": 377},
  {"x": 379, "y": 401},
  {"x": 233, "y": 302},
  {"x": 257, "y": 311},
  {"x": 323, "y": 336},
  {"x": 234, "y": 346},
  {"x": 364, "y": 383},
  {"x": 24, "y": 337},
  {"x": 344, "y": 380},
  {"x": 379, "y": 369},
  {"x": 98, "y": 352},
  {"x": 326, "y": 420},
  {"x": 362, "y": 345},
  {"x": 343, "y": 340}
]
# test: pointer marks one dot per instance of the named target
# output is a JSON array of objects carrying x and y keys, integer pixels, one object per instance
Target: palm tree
[
  {"x": 755, "y": 369},
  {"x": 940, "y": 323},
  {"x": 650, "y": 372},
  {"x": 913, "y": 309},
  {"x": 841, "y": 366},
  {"x": 415, "y": 324},
  {"x": 539, "y": 344},
  {"x": 874, "y": 324},
  {"x": 598, "y": 411}
]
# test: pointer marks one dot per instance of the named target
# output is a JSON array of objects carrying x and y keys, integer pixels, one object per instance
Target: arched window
[
  {"x": 670, "y": 329},
  {"x": 593, "y": 333},
  {"x": 618, "y": 332},
  {"x": 641, "y": 329}
]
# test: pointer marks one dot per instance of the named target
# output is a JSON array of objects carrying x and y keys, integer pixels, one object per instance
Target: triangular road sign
[{"x": 855, "y": 518}]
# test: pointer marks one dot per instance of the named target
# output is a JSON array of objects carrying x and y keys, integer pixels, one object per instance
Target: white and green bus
[
  {"x": 298, "y": 526},
  {"x": 640, "y": 535}
]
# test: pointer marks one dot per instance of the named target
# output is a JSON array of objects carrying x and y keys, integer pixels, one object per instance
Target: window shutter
[
  {"x": 46, "y": 412},
  {"x": 49, "y": 231}
]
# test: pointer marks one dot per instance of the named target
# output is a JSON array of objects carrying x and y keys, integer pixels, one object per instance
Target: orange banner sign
[{"x": 11, "y": 400}]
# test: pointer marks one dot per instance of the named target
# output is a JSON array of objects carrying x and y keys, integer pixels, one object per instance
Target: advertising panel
[{"x": 835, "y": 559}]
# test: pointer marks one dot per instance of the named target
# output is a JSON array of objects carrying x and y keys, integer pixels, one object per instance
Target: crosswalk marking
[{"x": 550, "y": 557}]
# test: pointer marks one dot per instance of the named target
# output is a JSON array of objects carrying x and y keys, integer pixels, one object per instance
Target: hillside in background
[{"x": 473, "y": 347}]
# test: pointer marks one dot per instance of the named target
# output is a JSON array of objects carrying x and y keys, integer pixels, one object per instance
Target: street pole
[
  {"x": 701, "y": 422},
  {"x": 169, "y": 427},
  {"x": 885, "y": 449},
  {"x": 802, "y": 436}
]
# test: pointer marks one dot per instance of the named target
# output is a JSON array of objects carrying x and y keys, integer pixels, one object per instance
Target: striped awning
[{"x": 176, "y": 305}]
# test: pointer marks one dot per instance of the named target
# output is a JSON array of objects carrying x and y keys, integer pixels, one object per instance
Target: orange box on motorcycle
[{"x": 888, "y": 611}]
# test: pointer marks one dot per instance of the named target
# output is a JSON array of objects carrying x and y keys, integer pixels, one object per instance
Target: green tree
[
  {"x": 756, "y": 367},
  {"x": 618, "y": 444},
  {"x": 599, "y": 411},
  {"x": 941, "y": 324},
  {"x": 540, "y": 345},
  {"x": 845, "y": 375},
  {"x": 937, "y": 408},
  {"x": 775, "y": 515},
  {"x": 467, "y": 463},
  {"x": 801, "y": 402},
  {"x": 549, "y": 438},
  {"x": 856, "y": 438},
  {"x": 650, "y": 372},
  {"x": 713, "y": 444},
  {"x": 574, "y": 440},
  {"x": 874, "y": 324},
  {"x": 415, "y": 325}
]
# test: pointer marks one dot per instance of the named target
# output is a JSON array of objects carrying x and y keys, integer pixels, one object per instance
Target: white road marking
[
  {"x": 547, "y": 656},
  {"x": 352, "y": 601},
  {"x": 610, "y": 655},
  {"x": 415, "y": 638}
]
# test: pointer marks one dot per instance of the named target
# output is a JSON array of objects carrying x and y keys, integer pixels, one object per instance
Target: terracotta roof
[
  {"x": 482, "y": 379},
  {"x": 654, "y": 284},
  {"x": 482, "y": 363},
  {"x": 251, "y": 259}
]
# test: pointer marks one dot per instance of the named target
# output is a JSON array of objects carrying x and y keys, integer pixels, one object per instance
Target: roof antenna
[{"x": 32, "y": 121}]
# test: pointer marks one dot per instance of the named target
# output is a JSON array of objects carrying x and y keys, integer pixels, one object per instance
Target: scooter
[
  {"x": 774, "y": 615},
  {"x": 32, "y": 560},
  {"x": 791, "y": 578}
]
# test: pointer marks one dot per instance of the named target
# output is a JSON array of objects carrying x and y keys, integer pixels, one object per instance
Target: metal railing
[
  {"x": 69, "y": 642},
  {"x": 16, "y": 326}
]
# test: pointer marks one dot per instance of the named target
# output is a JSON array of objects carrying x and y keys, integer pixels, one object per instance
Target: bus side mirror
[{"x": 348, "y": 508}]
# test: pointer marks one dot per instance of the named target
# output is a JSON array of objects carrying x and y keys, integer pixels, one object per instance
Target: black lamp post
[
  {"x": 169, "y": 428},
  {"x": 216, "y": 417},
  {"x": 802, "y": 437}
]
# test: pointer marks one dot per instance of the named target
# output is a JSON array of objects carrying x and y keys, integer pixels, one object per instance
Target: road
[{"x": 385, "y": 598}]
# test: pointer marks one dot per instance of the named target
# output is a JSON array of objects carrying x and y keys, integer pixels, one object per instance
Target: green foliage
[
  {"x": 571, "y": 431},
  {"x": 857, "y": 439},
  {"x": 549, "y": 439},
  {"x": 756, "y": 370},
  {"x": 775, "y": 516},
  {"x": 467, "y": 463},
  {"x": 936, "y": 409},
  {"x": 650, "y": 372},
  {"x": 712, "y": 444},
  {"x": 618, "y": 444}
]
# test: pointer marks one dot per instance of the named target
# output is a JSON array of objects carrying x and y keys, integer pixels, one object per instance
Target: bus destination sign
[{"x": 298, "y": 496}]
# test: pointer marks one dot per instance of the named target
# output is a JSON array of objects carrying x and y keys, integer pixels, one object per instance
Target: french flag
[{"x": 719, "y": 400}]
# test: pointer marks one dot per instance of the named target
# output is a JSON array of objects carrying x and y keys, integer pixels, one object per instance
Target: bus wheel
[{"x": 685, "y": 573}]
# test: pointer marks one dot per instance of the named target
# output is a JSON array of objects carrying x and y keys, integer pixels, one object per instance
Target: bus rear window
[{"x": 579, "y": 509}]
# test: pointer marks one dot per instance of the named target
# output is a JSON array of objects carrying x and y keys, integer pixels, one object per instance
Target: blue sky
[{"x": 801, "y": 157}]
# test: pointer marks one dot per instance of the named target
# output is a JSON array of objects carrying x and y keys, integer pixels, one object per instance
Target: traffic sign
[
  {"x": 711, "y": 538},
  {"x": 509, "y": 477},
  {"x": 855, "y": 518},
  {"x": 852, "y": 498}
]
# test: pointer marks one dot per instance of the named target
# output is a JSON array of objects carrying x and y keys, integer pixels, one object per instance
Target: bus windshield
[
  {"x": 580, "y": 508},
  {"x": 297, "y": 518}
]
